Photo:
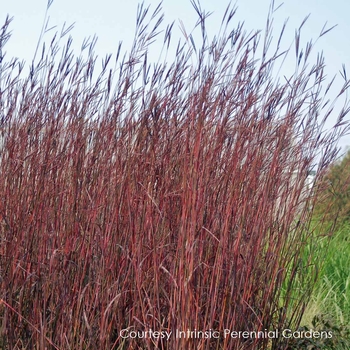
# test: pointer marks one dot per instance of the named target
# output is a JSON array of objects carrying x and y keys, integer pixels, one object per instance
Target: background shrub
[{"x": 335, "y": 192}]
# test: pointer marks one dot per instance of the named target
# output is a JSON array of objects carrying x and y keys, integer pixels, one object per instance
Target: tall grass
[
  {"x": 328, "y": 307},
  {"x": 330, "y": 301},
  {"x": 165, "y": 197}
]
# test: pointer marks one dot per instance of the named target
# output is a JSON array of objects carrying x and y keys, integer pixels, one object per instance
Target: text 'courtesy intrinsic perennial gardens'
[{"x": 128, "y": 333}]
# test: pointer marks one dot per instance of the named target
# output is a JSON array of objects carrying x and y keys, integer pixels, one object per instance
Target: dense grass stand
[{"x": 145, "y": 200}]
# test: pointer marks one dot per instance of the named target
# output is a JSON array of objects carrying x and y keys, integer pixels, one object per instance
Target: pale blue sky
[{"x": 114, "y": 20}]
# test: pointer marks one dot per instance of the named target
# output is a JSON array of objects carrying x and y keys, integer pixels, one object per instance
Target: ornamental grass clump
[{"x": 159, "y": 197}]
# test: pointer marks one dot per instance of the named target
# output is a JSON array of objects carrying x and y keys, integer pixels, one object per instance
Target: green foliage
[{"x": 329, "y": 305}]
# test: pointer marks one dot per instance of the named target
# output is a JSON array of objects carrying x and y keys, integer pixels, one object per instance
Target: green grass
[{"x": 329, "y": 305}]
